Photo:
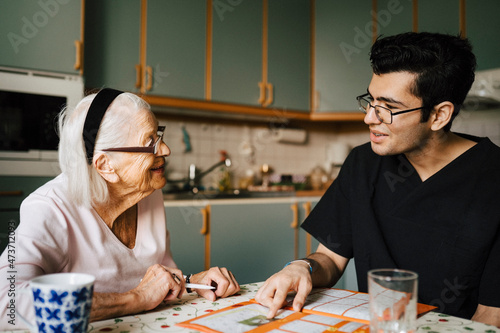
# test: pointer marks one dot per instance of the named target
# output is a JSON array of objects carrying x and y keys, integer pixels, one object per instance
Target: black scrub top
[{"x": 447, "y": 229}]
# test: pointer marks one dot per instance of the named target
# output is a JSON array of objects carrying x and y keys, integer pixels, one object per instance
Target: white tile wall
[
  {"x": 207, "y": 139},
  {"x": 479, "y": 123}
]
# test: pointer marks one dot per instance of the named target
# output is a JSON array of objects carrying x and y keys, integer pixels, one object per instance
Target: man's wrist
[{"x": 309, "y": 262}]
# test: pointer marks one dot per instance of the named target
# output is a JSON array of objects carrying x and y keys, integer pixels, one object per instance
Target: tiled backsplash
[
  {"x": 480, "y": 123},
  {"x": 249, "y": 146},
  {"x": 207, "y": 139}
]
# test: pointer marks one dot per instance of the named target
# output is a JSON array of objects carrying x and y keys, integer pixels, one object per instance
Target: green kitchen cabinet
[
  {"x": 343, "y": 37},
  {"x": 485, "y": 37},
  {"x": 175, "y": 48},
  {"x": 237, "y": 52},
  {"x": 439, "y": 16},
  {"x": 254, "y": 241},
  {"x": 394, "y": 17},
  {"x": 289, "y": 50},
  {"x": 113, "y": 40},
  {"x": 242, "y": 74},
  {"x": 13, "y": 190},
  {"x": 41, "y": 35},
  {"x": 187, "y": 243}
]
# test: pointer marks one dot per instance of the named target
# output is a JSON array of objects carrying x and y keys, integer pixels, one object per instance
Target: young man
[{"x": 418, "y": 196}]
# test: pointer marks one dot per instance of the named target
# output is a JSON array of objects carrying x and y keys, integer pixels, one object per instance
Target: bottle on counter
[{"x": 224, "y": 177}]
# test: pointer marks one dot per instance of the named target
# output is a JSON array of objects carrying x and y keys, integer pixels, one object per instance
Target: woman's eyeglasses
[{"x": 151, "y": 149}]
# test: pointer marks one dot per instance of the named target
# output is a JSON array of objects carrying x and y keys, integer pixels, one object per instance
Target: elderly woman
[{"x": 104, "y": 213}]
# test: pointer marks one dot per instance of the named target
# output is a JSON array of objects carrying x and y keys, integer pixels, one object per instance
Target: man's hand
[
  {"x": 294, "y": 277},
  {"x": 326, "y": 266},
  {"x": 221, "y": 278}
]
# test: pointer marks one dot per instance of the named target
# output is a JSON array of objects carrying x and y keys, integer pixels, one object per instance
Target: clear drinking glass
[{"x": 393, "y": 300}]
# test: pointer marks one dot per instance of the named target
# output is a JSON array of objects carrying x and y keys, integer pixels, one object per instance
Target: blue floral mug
[{"x": 61, "y": 302}]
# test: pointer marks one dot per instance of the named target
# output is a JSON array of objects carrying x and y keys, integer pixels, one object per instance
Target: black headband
[{"x": 94, "y": 117}]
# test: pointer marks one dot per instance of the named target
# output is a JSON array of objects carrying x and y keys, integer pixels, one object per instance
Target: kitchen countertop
[
  {"x": 201, "y": 198},
  {"x": 310, "y": 193}
]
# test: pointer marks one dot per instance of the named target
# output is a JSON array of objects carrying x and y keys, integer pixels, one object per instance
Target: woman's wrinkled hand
[
  {"x": 159, "y": 284},
  {"x": 221, "y": 278}
]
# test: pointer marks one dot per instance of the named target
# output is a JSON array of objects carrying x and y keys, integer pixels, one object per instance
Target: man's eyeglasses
[
  {"x": 383, "y": 114},
  {"x": 152, "y": 148}
]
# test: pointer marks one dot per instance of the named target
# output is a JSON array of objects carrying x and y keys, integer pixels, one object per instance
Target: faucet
[{"x": 194, "y": 176}]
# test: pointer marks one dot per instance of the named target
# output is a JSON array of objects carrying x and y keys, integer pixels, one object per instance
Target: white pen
[
  {"x": 196, "y": 285},
  {"x": 193, "y": 285}
]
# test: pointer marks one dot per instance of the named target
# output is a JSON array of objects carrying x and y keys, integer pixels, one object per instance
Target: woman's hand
[
  {"x": 221, "y": 278},
  {"x": 159, "y": 284}
]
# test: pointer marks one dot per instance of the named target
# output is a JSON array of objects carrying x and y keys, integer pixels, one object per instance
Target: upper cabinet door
[
  {"x": 41, "y": 35},
  {"x": 439, "y": 16},
  {"x": 175, "y": 51},
  {"x": 394, "y": 17},
  {"x": 237, "y": 51},
  {"x": 485, "y": 38},
  {"x": 289, "y": 50},
  {"x": 112, "y": 49},
  {"x": 342, "y": 67}
]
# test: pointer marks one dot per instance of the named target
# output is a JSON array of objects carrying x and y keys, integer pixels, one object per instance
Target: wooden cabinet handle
[
  {"x": 204, "y": 224},
  {"x": 262, "y": 96},
  {"x": 269, "y": 95},
  {"x": 78, "y": 55},
  {"x": 316, "y": 100},
  {"x": 205, "y": 230},
  {"x": 295, "y": 210},
  {"x": 138, "y": 76},
  {"x": 307, "y": 207},
  {"x": 149, "y": 84}
]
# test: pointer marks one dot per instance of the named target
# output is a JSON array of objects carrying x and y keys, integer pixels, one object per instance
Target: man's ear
[
  {"x": 441, "y": 115},
  {"x": 104, "y": 167}
]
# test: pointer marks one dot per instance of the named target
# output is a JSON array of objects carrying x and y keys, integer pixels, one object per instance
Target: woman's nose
[{"x": 164, "y": 149}]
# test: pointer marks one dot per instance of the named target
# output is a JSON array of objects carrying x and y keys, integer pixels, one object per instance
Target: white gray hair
[{"x": 85, "y": 184}]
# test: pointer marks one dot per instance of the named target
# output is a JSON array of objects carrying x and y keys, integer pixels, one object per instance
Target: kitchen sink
[{"x": 236, "y": 194}]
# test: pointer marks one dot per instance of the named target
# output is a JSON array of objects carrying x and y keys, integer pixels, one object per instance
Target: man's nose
[{"x": 371, "y": 116}]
